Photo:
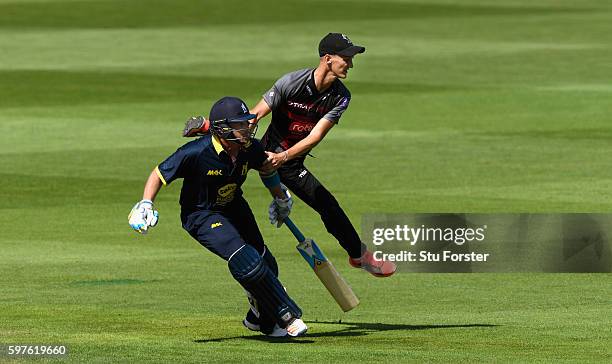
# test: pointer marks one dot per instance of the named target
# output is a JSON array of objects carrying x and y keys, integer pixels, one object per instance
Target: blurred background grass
[{"x": 471, "y": 106}]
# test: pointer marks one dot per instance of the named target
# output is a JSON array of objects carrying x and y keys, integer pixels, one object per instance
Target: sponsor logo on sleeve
[{"x": 344, "y": 102}]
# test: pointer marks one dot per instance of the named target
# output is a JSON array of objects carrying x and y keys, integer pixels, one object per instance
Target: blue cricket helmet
[{"x": 227, "y": 111}]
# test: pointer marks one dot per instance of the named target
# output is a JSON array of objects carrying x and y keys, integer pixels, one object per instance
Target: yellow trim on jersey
[
  {"x": 160, "y": 175},
  {"x": 217, "y": 144}
]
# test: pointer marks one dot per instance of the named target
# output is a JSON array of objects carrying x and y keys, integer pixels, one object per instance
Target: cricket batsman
[
  {"x": 305, "y": 105},
  {"x": 214, "y": 212}
]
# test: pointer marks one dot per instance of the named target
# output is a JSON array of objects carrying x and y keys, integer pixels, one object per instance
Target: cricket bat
[{"x": 324, "y": 269}]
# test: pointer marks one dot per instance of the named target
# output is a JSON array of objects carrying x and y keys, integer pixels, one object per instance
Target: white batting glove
[
  {"x": 143, "y": 216},
  {"x": 280, "y": 208}
]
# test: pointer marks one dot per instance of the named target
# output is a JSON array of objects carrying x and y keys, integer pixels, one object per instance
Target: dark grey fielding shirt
[{"x": 297, "y": 106}]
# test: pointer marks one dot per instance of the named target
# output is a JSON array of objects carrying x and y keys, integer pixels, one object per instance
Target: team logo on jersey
[
  {"x": 245, "y": 168},
  {"x": 215, "y": 224},
  {"x": 215, "y": 172},
  {"x": 226, "y": 193}
]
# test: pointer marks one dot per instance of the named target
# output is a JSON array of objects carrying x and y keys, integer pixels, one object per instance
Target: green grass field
[{"x": 458, "y": 106}]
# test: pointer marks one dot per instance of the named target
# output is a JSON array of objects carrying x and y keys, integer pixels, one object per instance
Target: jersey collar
[
  {"x": 217, "y": 145},
  {"x": 311, "y": 83}
]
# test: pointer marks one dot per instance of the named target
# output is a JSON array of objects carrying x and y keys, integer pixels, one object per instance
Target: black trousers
[{"x": 307, "y": 187}]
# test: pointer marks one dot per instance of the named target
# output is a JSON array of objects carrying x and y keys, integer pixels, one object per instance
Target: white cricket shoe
[
  {"x": 296, "y": 328},
  {"x": 277, "y": 331}
]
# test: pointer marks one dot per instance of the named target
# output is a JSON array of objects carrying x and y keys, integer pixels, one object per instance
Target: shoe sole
[
  {"x": 278, "y": 336},
  {"x": 298, "y": 335},
  {"x": 378, "y": 275}
]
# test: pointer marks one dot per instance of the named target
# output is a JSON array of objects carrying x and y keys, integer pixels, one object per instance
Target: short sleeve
[
  {"x": 334, "y": 114},
  {"x": 275, "y": 96},
  {"x": 177, "y": 165}
]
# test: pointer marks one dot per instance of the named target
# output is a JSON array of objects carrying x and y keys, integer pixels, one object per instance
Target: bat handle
[{"x": 294, "y": 229}]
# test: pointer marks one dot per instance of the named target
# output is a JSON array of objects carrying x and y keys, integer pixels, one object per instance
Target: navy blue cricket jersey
[{"x": 210, "y": 180}]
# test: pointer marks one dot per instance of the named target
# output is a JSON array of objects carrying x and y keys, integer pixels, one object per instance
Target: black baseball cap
[
  {"x": 338, "y": 43},
  {"x": 230, "y": 109}
]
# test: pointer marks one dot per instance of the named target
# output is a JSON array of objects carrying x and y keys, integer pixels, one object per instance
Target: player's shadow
[{"x": 349, "y": 329}]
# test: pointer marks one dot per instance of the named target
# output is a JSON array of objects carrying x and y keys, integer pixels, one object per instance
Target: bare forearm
[
  {"x": 305, "y": 145},
  {"x": 302, "y": 147},
  {"x": 261, "y": 109},
  {"x": 152, "y": 186}
]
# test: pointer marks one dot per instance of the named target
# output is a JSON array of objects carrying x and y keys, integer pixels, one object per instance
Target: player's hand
[
  {"x": 266, "y": 167},
  {"x": 143, "y": 216},
  {"x": 280, "y": 208},
  {"x": 277, "y": 159}
]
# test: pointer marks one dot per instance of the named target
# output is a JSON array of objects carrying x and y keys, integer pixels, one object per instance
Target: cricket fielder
[
  {"x": 214, "y": 212},
  {"x": 305, "y": 105}
]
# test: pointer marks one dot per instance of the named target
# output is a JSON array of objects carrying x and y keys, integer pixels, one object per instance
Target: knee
[
  {"x": 270, "y": 260},
  {"x": 330, "y": 208},
  {"x": 246, "y": 264}
]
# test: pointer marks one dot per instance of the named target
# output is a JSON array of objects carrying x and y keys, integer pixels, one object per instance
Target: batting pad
[{"x": 250, "y": 270}]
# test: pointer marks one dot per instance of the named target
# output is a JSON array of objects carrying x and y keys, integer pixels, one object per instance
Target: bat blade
[{"x": 328, "y": 275}]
